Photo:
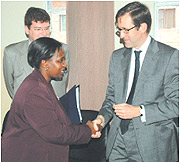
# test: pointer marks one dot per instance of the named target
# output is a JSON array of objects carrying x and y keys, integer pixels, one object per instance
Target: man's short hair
[
  {"x": 138, "y": 12},
  {"x": 36, "y": 14}
]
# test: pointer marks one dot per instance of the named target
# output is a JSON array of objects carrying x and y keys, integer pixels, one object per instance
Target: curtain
[{"x": 90, "y": 37}]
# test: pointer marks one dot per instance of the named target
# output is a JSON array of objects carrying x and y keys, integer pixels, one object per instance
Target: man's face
[
  {"x": 38, "y": 29},
  {"x": 134, "y": 37}
]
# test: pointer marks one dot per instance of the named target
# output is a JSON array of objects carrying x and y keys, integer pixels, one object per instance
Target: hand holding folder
[{"x": 71, "y": 103}]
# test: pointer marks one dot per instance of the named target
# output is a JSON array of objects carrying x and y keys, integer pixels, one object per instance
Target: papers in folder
[{"x": 71, "y": 103}]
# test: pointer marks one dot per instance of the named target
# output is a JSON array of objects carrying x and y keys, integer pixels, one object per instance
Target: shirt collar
[
  {"x": 145, "y": 46},
  {"x": 29, "y": 42}
]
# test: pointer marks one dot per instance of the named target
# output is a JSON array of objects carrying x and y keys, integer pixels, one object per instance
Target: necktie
[{"x": 125, "y": 122}]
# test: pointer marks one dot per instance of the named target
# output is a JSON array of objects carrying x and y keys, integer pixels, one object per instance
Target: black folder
[{"x": 71, "y": 103}]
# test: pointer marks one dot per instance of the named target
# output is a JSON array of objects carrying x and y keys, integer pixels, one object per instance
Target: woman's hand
[{"x": 95, "y": 132}]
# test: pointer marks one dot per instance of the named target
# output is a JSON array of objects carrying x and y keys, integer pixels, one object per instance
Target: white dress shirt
[{"x": 143, "y": 48}]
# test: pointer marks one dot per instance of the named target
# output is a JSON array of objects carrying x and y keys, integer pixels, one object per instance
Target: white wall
[
  {"x": 12, "y": 30},
  {"x": 12, "y": 20}
]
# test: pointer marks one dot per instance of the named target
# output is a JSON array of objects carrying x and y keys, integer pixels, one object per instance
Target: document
[{"x": 71, "y": 103}]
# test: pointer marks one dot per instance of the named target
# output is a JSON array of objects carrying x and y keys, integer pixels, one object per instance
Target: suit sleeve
[
  {"x": 168, "y": 107},
  {"x": 50, "y": 123},
  {"x": 8, "y": 72},
  {"x": 67, "y": 57},
  {"x": 60, "y": 85},
  {"x": 106, "y": 110}
]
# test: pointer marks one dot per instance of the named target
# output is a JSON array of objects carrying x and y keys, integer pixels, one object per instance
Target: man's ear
[
  {"x": 143, "y": 27},
  {"x": 26, "y": 29}
]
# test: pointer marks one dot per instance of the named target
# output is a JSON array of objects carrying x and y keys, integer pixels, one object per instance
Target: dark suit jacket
[
  {"x": 38, "y": 128},
  {"x": 157, "y": 89}
]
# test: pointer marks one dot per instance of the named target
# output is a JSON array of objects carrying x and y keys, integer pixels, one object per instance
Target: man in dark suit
[
  {"x": 15, "y": 65},
  {"x": 143, "y": 93}
]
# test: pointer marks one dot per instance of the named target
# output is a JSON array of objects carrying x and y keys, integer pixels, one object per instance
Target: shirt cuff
[{"x": 142, "y": 111}]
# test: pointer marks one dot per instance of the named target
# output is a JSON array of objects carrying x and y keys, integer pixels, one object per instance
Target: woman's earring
[{"x": 46, "y": 69}]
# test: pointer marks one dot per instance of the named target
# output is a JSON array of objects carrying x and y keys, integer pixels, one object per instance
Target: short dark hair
[
  {"x": 42, "y": 49},
  {"x": 139, "y": 14},
  {"x": 35, "y": 14}
]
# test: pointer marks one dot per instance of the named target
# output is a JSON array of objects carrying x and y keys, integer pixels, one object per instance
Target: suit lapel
[
  {"x": 148, "y": 66},
  {"x": 23, "y": 58},
  {"x": 126, "y": 68}
]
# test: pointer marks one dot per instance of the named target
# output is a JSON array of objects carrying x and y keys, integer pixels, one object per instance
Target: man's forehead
[
  {"x": 40, "y": 23},
  {"x": 125, "y": 19}
]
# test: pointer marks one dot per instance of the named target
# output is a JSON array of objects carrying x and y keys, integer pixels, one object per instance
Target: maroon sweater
[{"x": 38, "y": 128}]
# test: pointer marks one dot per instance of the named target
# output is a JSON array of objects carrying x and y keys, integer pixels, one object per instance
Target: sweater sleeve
[{"x": 50, "y": 122}]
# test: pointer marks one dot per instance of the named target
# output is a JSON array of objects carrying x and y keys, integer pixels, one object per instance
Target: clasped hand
[{"x": 96, "y": 128}]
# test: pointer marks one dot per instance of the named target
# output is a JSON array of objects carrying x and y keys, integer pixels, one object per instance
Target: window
[
  {"x": 167, "y": 18},
  {"x": 57, "y": 11},
  {"x": 167, "y": 22},
  {"x": 62, "y": 23}
]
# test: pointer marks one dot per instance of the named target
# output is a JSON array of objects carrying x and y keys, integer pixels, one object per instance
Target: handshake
[{"x": 96, "y": 126}]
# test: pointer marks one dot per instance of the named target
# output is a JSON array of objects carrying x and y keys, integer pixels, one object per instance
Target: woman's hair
[
  {"x": 42, "y": 49},
  {"x": 139, "y": 14}
]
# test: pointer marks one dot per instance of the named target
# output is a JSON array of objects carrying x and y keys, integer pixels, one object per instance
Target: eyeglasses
[
  {"x": 39, "y": 29},
  {"x": 125, "y": 31}
]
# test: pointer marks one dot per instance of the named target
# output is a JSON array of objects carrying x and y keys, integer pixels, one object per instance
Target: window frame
[
  {"x": 163, "y": 5},
  {"x": 165, "y": 9},
  {"x": 59, "y": 12}
]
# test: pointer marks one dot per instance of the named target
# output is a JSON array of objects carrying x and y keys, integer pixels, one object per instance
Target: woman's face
[{"x": 56, "y": 65}]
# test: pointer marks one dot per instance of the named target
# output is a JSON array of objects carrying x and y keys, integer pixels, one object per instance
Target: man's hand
[
  {"x": 95, "y": 132},
  {"x": 98, "y": 125},
  {"x": 126, "y": 111}
]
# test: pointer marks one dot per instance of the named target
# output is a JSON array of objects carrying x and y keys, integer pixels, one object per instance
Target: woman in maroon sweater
[{"x": 38, "y": 128}]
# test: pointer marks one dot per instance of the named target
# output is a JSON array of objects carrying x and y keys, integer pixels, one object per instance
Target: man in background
[
  {"x": 142, "y": 96},
  {"x": 15, "y": 65}
]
